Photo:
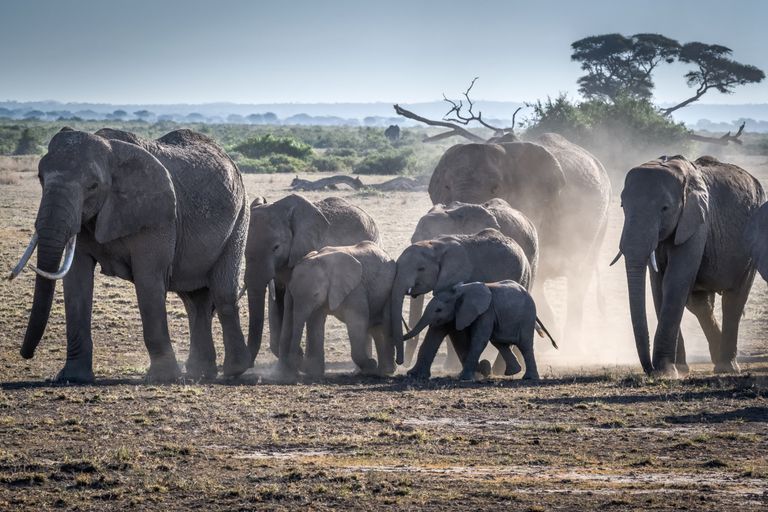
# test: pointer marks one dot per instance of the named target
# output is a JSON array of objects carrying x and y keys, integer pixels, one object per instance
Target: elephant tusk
[
  {"x": 271, "y": 287},
  {"x": 69, "y": 256},
  {"x": 615, "y": 259},
  {"x": 408, "y": 291},
  {"x": 654, "y": 265},
  {"x": 241, "y": 292},
  {"x": 24, "y": 257}
]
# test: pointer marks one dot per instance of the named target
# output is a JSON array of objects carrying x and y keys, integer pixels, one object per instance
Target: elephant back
[{"x": 348, "y": 223}]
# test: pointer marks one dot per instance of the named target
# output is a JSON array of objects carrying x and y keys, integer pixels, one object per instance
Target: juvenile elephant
[
  {"x": 168, "y": 215},
  {"x": 474, "y": 313},
  {"x": 279, "y": 236},
  {"x": 458, "y": 218},
  {"x": 560, "y": 186},
  {"x": 352, "y": 283},
  {"x": 757, "y": 240},
  {"x": 441, "y": 263},
  {"x": 687, "y": 220}
]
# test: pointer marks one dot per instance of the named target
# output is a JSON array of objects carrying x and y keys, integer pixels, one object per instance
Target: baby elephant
[
  {"x": 352, "y": 283},
  {"x": 474, "y": 313}
]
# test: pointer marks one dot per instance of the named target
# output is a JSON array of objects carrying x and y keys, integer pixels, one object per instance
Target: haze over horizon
[{"x": 342, "y": 51}]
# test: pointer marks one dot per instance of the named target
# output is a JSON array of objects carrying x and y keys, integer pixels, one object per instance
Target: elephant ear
[
  {"x": 344, "y": 273},
  {"x": 454, "y": 264},
  {"x": 141, "y": 195},
  {"x": 308, "y": 227},
  {"x": 695, "y": 203},
  {"x": 540, "y": 172},
  {"x": 474, "y": 300}
]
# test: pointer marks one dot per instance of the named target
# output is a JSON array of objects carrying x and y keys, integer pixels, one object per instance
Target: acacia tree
[
  {"x": 716, "y": 70},
  {"x": 619, "y": 66}
]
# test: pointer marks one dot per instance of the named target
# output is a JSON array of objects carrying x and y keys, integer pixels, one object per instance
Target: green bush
[
  {"x": 265, "y": 145},
  {"x": 388, "y": 162},
  {"x": 329, "y": 164},
  {"x": 272, "y": 164}
]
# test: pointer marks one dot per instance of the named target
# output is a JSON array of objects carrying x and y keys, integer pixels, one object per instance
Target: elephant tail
[{"x": 541, "y": 330}]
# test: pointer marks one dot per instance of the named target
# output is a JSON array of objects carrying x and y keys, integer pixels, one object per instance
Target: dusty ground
[{"x": 593, "y": 434}]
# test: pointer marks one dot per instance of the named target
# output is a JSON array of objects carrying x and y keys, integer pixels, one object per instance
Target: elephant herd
[{"x": 172, "y": 215}]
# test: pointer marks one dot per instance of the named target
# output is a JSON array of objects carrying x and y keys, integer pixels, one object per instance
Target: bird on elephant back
[
  {"x": 686, "y": 221},
  {"x": 562, "y": 188},
  {"x": 168, "y": 215}
]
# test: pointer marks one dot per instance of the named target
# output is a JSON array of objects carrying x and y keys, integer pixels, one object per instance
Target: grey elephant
[
  {"x": 279, "y": 236},
  {"x": 686, "y": 220},
  {"x": 560, "y": 186},
  {"x": 352, "y": 283},
  {"x": 168, "y": 215},
  {"x": 757, "y": 240},
  {"x": 473, "y": 314},
  {"x": 441, "y": 263},
  {"x": 465, "y": 219}
]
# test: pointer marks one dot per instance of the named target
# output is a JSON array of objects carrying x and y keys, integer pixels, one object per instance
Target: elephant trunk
[
  {"x": 53, "y": 232},
  {"x": 396, "y": 316},
  {"x": 416, "y": 307},
  {"x": 256, "y": 286},
  {"x": 636, "y": 286},
  {"x": 416, "y": 329}
]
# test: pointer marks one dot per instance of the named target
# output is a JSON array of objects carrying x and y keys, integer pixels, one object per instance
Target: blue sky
[{"x": 192, "y": 51}]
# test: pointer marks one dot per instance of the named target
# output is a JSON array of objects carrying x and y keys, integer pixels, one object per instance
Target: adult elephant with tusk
[
  {"x": 167, "y": 215},
  {"x": 686, "y": 221}
]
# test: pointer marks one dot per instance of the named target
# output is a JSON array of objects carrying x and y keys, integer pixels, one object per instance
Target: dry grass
[{"x": 588, "y": 437}]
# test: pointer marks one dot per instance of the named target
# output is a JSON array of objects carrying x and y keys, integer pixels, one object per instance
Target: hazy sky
[{"x": 190, "y": 51}]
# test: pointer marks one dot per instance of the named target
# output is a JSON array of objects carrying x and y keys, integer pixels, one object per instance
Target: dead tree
[
  {"x": 724, "y": 140},
  {"x": 457, "y": 119}
]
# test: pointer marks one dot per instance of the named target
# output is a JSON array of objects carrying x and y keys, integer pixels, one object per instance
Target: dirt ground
[{"x": 593, "y": 434}]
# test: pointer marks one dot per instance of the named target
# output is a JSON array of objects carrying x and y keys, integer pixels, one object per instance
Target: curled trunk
[
  {"x": 420, "y": 326},
  {"x": 636, "y": 287}
]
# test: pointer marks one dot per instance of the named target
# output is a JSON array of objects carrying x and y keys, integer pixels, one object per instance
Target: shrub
[
  {"x": 329, "y": 164},
  {"x": 272, "y": 164},
  {"x": 265, "y": 145},
  {"x": 388, "y": 162}
]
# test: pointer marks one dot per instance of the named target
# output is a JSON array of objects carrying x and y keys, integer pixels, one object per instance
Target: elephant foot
[
  {"x": 728, "y": 367},
  {"x": 484, "y": 368},
  {"x": 418, "y": 374},
  {"x": 368, "y": 367},
  {"x": 682, "y": 369},
  {"x": 283, "y": 374},
  {"x": 665, "y": 370},
  {"x": 313, "y": 367},
  {"x": 235, "y": 366},
  {"x": 74, "y": 373},
  {"x": 467, "y": 376},
  {"x": 163, "y": 370},
  {"x": 386, "y": 369},
  {"x": 513, "y": 369},
  {"x": 531, "y": 376},
  {"x": 197, "y": 369}
]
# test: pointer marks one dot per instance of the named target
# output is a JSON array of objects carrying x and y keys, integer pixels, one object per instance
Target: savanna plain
[{"x": 593, "y": 433}]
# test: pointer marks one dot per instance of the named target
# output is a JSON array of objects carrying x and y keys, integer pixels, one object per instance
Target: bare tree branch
[
  {"x": 724, "y": 140},
  {"x": 455, "y": 130}
]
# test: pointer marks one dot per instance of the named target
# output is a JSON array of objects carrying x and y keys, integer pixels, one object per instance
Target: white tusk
[
  {"x": 24, "y": 257},
  {"x": 69, "y": 255},
  {"x": 241, "y": 292},
  {"x": 408, "y": 291},
  {"x": 271, "y": 287},
  {"x": 654, "y": 265}
]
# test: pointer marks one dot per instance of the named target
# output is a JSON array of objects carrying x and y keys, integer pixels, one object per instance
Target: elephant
[
  {"x": 757, "y": 240},
  {"x": 474, "y": 313},
  {"x": 686, "y": 220},
  {"x": 465, "y": 219},
  {"x": 352, "y": 283},
  {"x": 438, "y": 264},
  {"x": 279, "y": 236},
  {"x": 167, "y": 215},
  {"x": 560, "y": 186}
]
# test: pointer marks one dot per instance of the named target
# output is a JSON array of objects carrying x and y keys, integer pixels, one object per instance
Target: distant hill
[{"x": 698, "y": 116}]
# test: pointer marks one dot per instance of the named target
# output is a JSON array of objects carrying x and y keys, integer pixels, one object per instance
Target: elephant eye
[
  {"x": 664, "y": 208},
  {"x": 93, "y": 185},
  {"x": 275, "y": 248},
  {"x": 420, "y": 269},
  {"x": 438, "y": 310}
]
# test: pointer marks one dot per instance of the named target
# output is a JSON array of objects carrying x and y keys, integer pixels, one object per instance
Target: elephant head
[
  {"x": 756, "y": 236},
  {"x": 109, "y": 187},
  {"x": 279, "y": 235},
  {"x": 663, "y": 200},
  {"x": 421, "y": 268},
  {"x": 461, "y": 304},
  {"x": 453, "y": 219},
  {"x": 525, "y": 174}
]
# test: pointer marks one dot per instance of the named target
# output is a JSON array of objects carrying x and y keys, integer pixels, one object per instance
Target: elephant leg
[
  {"x": 427, "y": 352},
  {"x": 151, "y": 295},
  {"x": 414, "y": 313},
  {"x": 478, "y": 340},
  {"x": 702, "y": 305},
  {"x": 526, "y": 349},
  {"x": 656, "y": 279},
  {"x": 513, "y": 365},
  {"x": 453, "y": 362},
  {"x": 733, "y": 307},
  {"x": 357, "y": 329},
  {"x": 314, "y": 360},
  {"x": 201, "y": 362},
  {"x": 276, "y": 314},
  {"x": 237, "y": 356},
  {"x": 78, "y": 305},
  {"x": 385, "y": 354}
]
